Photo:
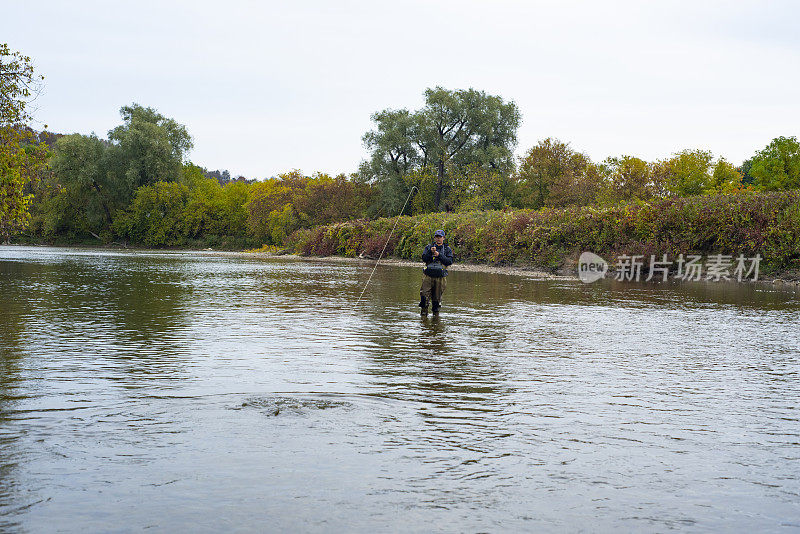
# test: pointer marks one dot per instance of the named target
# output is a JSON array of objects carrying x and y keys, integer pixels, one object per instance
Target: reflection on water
[{"x": 186, "y": 391}]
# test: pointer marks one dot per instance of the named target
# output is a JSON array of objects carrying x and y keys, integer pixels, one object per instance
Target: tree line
[
  {"x": 456, "y": 153},
  {"x": 136, "y": 187}
]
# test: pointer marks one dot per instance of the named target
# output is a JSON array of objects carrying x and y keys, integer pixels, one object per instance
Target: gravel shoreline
[
  {"x": 783, "y": 280},
  {"x": 458, "y": 267}
]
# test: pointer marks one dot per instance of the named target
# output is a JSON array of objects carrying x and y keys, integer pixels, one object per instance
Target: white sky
[{"x": 266, "y": 87}]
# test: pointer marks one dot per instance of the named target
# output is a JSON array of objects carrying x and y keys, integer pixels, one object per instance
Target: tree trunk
[
  {"x": 437, "y": 199},
  {"x": 103, "y": 202}
]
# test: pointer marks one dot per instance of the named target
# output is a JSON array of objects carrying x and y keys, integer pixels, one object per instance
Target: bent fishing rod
[{"x": 413, "y": 187}]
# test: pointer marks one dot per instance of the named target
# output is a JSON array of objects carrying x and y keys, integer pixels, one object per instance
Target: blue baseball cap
[{"x": 439, "y": 233}]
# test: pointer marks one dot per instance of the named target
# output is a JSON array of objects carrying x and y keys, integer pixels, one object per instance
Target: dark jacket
[{"x": 445, "y": 255}]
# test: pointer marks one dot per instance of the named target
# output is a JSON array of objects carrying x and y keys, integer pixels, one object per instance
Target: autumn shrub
[{"x": 374, "y": 245}]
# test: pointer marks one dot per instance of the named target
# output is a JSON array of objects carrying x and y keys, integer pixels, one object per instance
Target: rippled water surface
[{"x": 200, "y": 392}]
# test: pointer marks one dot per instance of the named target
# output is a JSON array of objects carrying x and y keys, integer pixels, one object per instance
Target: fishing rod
[{"x": 387, "y": 243}]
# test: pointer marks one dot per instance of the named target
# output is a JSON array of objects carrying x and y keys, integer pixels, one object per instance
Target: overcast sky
[{"x": 266, "y": 87}]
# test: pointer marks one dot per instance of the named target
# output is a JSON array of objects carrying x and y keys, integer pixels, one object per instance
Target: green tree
[
  {"x": 395, "y": 154},
  {"x": 21, "y": 156},
  {"x": 553, "y": 174},
  {"x": 627, "y": 178},
  {"x": 690, "y": 172},
  {"x": 725, "y": 179},
  {"x": 693, "y": 172},
  {"x": 777, "y": 166},
  {"x": 147, "y": 148},
  {"x": 79, "y": 166},
  {"x": 279, "y": 206},
  {"x": 332, "y": 199},
  {"x": 475, "y": 187},
  {"x": 579, "y": 188},
  {"x": 204, "y": 203},
  {"x": 661, "y": 178},
  {"x": 744, "y": 170},
  {"x": 281, "y": 223},
  {"x": 272, "y": 203},
  {"x": 233, "y": 217},
  {"x": 101, "y": 177},
  {"x": 453, "y": 130},
  {"x": 393, "y": 145},
  {"x": 155, "y": 217},
  {"x": 422, "y": 201},
  {"x": 466, "y": 126}
]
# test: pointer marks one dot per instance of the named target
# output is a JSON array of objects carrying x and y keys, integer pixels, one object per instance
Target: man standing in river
[{"x": 437, "y": 256}]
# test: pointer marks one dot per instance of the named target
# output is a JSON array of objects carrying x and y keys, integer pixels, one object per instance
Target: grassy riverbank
[{"x": 746, "y": 223}]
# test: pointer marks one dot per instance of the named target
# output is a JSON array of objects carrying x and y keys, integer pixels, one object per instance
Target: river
[{"x": 178, "y": 391}]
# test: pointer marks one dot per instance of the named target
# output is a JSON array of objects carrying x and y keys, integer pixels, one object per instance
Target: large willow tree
[
  {"x": 454, "y": 131},
  {"x": 98, "y": 177}
]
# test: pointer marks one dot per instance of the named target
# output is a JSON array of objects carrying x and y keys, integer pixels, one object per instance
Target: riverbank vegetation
[
  {"x": 748, "y": 223},
  {"x": 453, "y": 159}
]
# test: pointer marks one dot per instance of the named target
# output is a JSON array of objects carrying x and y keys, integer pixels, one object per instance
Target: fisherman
[{"x": 437, "y": 256}]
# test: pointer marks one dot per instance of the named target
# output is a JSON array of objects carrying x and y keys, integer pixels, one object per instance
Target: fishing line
[{"x": 387, "y": 243}]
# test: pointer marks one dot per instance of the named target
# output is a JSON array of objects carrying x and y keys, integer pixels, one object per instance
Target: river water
[{"x": 213, "y": 392}]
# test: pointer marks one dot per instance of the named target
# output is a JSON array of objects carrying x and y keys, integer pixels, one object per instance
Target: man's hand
[{"x": 435, "y": 252}]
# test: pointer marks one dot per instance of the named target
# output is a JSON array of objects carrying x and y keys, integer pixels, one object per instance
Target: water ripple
[{"x": 185, "y": 391}]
